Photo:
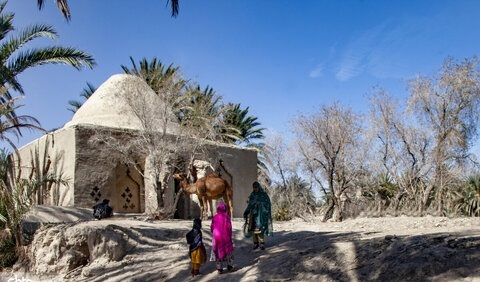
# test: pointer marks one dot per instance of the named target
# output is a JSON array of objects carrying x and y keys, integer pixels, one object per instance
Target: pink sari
[{"x": 221, "y": 228}]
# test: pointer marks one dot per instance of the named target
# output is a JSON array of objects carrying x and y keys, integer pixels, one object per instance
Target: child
[
  {"x": 197, "y": 252},
  {"x": 222, "y": 244}
]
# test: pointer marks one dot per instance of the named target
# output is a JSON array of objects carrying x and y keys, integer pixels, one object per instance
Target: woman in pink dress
[{"x": 222, "y": 243}]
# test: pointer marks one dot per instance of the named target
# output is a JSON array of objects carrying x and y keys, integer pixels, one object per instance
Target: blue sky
[{"x": 278, "y": 57}]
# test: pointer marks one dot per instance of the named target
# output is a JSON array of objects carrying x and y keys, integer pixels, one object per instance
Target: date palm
[
  {"x": 15, "y": 59},
  {"x": 165, "y": 82},
  {"x": 155, "y": 74},
  {"x": 239, "y": 127},
  {"x": 11, "y": 124},
  {"x": 17, "y": 194},
  {"x": 202, "y": 112},
  {"x": 174, "y": 4},
  {"x": 246, "y": 126},
  {"x": 292, "y": 198},
  {"x": 86, "y": 93},
  {"x": 63, "y": 7},
  {"x": 469, "y": 197}
]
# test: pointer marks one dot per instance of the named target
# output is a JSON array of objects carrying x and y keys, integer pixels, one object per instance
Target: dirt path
[{"x": 364, "y": 249}]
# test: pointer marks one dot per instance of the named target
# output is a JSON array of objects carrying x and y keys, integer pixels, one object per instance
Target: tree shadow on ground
[
  {"x": 323, "y": 256},
  {"x": 161, "y": 254}
]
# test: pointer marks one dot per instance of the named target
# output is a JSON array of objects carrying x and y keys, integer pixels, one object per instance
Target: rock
[
  {"x": 64, "y": 247},
  {"x": 390, "y": 237}
]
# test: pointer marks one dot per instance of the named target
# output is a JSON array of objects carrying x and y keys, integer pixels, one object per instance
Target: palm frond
[
  {"x": 62, "y": 6},
  {"x": 175, "y": 7},
  {"x": 51, "y": 55},
  {"x": 12, "y": 124},
  {"x": 6, "y": 20},
  {"x": 86, "y": 93},
  {"x": 75, "y": 105}
]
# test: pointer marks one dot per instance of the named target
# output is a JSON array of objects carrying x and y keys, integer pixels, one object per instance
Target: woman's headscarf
[
  {"x": 194, "y": 237},
  {"x": 197, "y": 223},
  {"x": 222, "y": 208}
]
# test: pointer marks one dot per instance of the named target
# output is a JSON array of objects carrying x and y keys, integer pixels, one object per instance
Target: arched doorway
[{"x": 128, "y": 191}]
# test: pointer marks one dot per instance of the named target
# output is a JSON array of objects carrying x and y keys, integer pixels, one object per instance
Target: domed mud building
[{"x": 94, "y": 172}]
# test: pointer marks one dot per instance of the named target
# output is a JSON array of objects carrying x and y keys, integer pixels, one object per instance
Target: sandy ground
[{"x": 362, "y": 249}]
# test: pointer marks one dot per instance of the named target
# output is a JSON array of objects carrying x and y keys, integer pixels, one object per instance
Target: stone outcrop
[{"x": 65, "y": 247}]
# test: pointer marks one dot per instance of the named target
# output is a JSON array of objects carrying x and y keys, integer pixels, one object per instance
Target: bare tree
[
  {"x": 163, "y": 142},
  {"x": 447, "y": 106},
  {"x": 327, "y": 141},
  {"x": 291, "y": 195},
  {"x": 278, "y": 157},
  {"x": 402, "y": 149},
  {"x": 152, "y": 149}
]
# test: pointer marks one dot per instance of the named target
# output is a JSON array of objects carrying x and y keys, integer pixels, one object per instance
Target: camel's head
[{"x": 180, "y": 176}]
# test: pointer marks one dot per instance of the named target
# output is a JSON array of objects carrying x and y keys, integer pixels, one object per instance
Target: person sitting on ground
[{"x": 102, "y": 210}]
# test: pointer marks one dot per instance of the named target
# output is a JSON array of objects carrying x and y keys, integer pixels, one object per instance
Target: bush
[
  {"x": 8, "y": 254},
  {"x": 296, "y": 199}
]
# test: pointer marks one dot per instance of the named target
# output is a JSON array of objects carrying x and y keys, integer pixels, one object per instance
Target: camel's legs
[
  {"x": 203, "y": 208},
  {"x": 211, "y": 206},
  {"x": 228, "y": 196}
]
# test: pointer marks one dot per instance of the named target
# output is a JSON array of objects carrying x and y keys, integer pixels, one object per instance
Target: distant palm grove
[{"x": 413, "y": 158}]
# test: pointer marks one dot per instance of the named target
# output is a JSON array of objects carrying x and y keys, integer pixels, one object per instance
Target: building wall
[
  {"x": 238, "y": 166},
  {"x": 100, "y": 176},
  {"x": 94, "y": 175},
  {"x": 58, "y": 149},
  {"x": 241, "y": 164}
]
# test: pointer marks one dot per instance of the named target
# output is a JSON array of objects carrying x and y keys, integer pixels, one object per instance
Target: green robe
[{"x": 258, "y": 213}]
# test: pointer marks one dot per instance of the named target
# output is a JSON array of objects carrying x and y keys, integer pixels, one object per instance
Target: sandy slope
[{"x": 363, "y": 249}]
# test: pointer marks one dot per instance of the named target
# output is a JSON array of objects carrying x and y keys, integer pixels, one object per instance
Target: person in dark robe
[
  {"x": 102, "y": 210},
  {"x": 196, "y": 248},
  {"x": 258, "y": 216}
]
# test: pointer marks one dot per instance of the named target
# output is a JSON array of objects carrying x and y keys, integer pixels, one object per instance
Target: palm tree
[
  {"x": 201, "y": 112},
  {"x": 247, "y": 126},
  {"x": 10, "y": 124},
  {"x": 17, "y": 194},
  {"x": 469, "y": 197},
  {"x": 241, "y": 128},
  {"x": 155, "y": 74},
  {"x": 86, "y": 93},
  {"x": 14, "y": 60},
  {"x": 165, "y": 82},
  {"x": 63, "y": 7},
  {"x": 175, "y": 7}
]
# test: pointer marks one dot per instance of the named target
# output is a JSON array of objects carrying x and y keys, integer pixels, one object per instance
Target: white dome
[{"x": 124, "y": 101}]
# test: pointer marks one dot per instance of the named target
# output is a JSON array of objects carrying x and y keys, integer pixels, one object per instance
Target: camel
[{"x": 208, "y": 188}]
